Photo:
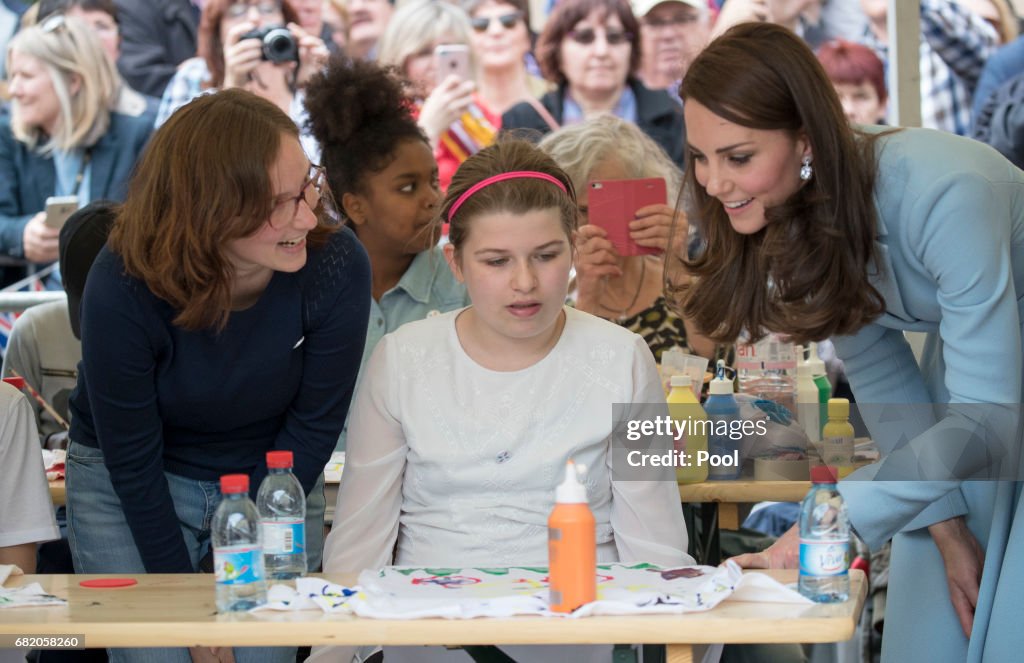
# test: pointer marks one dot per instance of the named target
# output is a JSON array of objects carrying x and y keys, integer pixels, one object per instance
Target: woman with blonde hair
[
  {"x": 625, "y": 289},
  {"x": 455, "y": 119},
  {"x": 62, "y": 137}
]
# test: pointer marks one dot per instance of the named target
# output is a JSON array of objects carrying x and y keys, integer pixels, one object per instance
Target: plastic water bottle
[
  {"x": 824, "y": 540},
  {"x": 724, "y": 441},
  {"x": 237, "y": 553},
  {"x": 281, "y": 504}
]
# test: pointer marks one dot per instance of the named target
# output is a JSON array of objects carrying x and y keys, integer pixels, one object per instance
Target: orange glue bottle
[{"x": 572, "y": 546}]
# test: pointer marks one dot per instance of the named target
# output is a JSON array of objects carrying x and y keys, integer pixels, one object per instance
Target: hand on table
[
  {"x": 964, "y": 559},
  {"x": 783, "y": 554}
]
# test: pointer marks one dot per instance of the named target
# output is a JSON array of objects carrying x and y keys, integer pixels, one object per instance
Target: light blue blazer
[{"x": 951, "y": 245}]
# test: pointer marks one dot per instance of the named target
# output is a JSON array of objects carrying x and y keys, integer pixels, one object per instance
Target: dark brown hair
[
  {"x": 514, "y": 196},
  {"x": 208, "y": 42},
  {"x": 806, "y": 273},
  {"x": 203, "y": 180},
  {"x": 564, "y": 18}
]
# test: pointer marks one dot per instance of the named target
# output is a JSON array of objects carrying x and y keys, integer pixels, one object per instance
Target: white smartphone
[
  {"x": 452, "y": 59},
  {"x": 58, "y": 209}
]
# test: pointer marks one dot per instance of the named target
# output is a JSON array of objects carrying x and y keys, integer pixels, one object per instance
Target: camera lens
[{"x": 279, "y": 46}]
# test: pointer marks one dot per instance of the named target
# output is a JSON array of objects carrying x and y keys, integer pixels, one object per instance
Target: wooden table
[
  {"x": 178, "y": 610},
  {"x": 730, "y": 495}
]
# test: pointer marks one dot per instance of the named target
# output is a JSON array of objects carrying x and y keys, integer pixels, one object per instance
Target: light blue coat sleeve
[{"x": 951, "y": 250}]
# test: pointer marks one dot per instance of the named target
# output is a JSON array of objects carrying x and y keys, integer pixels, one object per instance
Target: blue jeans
[{"x": 101, "y": 541}]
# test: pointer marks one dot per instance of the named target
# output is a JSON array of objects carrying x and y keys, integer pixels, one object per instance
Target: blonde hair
[
  {"x": 69, "y": 50},
  {"x": 579, "y": 148},
  {"x": 418, "y": 24}
]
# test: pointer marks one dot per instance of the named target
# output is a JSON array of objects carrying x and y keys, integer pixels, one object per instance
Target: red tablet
[{"x": 612, "y": 205}]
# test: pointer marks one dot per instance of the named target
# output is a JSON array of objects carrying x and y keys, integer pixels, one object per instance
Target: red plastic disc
[{"x": 107, "y": 583}]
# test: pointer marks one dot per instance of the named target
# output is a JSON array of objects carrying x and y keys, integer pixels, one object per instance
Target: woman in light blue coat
[{"x": 815, "y": 230}]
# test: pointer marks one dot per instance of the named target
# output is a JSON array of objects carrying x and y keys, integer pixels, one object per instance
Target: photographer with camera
[{"x": 256, "y": 45}]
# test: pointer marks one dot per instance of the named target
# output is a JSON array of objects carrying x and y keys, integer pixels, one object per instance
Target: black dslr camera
[{"x": 278, "y": 43}]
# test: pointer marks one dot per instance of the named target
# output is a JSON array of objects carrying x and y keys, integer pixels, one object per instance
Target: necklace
[{"x": 621, "y": 316}]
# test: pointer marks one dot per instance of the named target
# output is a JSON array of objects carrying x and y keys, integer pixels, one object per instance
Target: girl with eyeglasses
[
  {"x": 455, "y": 119},
  {"x": 464, "y": 421},
  {"x": 231, "y": 55},
  {"x": 63, "y": 136},
  {"x": 382, "y": 172},
  {"x": 225, "y": 318},
  {"x": 591, "y": 50}
]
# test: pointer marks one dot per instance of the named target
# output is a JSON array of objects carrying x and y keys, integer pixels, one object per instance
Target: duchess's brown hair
[
  {"x": 203, "y": 180},
  {"x": 806, "y": 273}
]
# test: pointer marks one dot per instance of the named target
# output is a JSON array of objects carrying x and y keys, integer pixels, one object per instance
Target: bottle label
[
  {"x": 838, "y": 451},
  {"x": 238, "y": 565},
  {"x": 824, "y": 558},
  {"x": 283, "y": 538}
]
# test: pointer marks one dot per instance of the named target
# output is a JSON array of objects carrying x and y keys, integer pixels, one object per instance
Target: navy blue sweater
[{"x": 154, "y": 397}]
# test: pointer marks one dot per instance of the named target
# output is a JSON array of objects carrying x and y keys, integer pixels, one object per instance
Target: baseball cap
[
  {"x": 641, "y": 7},
  {"x": 81, "y": 239}
]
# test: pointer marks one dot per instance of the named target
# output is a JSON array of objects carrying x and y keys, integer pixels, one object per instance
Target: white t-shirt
[
  {"x": 458, "y": 464},
  {"x": 26, "y": 512}
]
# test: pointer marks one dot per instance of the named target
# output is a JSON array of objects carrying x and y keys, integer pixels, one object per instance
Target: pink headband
[{"x": 501, "y": 177}]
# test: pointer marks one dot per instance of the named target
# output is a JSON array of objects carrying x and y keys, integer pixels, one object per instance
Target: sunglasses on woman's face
[
  {"x": 588, "y": 36},
  {"x": 508, "y": 21}
]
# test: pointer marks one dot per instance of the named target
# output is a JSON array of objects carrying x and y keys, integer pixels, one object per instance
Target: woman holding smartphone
[
  {"x": 62, "y": 137},
  {"x": 428, "y": 42}
]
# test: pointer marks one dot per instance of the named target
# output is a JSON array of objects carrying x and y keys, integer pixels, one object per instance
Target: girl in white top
[{"x": 464, "y": 421}]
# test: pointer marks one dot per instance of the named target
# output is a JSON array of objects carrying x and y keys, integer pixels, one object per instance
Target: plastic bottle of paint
[
  {"x": 572, "y": 545},
  {"x": 724, "y": 444},
  {"x": 685, "y": 409},
  {"x": 837, "y": 439}
]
